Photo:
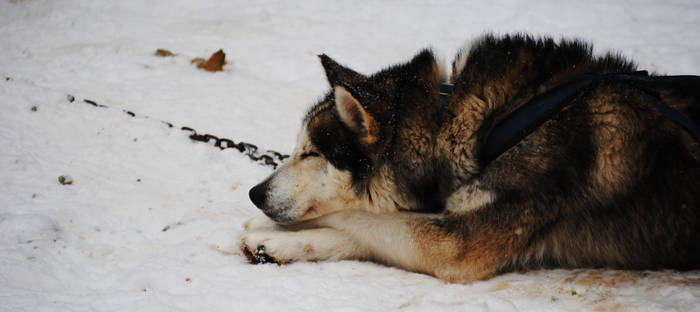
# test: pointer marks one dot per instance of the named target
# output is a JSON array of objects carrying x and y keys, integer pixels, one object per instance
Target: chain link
[{"x": 269, "y": 158}]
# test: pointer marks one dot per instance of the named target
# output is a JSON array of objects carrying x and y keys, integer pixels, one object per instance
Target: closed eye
[{"x": 310, "y": 154}]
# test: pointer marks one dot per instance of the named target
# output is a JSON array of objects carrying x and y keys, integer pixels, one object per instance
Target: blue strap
[
  {"x": 671, "y": 113},
  {"x": 533, "y": 114},
  {"x": 527, "y": 118}
]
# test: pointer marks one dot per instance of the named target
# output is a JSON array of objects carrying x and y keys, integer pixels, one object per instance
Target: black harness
[{"x": 531, "y": 115}]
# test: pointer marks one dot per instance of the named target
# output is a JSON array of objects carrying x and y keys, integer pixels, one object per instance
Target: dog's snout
[{"x": 258, "y": 194}]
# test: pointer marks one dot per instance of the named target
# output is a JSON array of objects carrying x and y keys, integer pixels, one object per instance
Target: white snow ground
[{"x": 98, "y": 244}]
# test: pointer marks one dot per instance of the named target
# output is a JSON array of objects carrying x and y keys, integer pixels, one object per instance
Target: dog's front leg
[
  {"x": 418, "y": 242},
  {"x": 316, "y": 244}
]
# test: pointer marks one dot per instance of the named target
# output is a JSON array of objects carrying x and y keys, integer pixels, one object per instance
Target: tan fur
[
  {"x": 469, "y": 115},
  {"x": 469, "y": 198},
  {"x": 613, "y": 169}
]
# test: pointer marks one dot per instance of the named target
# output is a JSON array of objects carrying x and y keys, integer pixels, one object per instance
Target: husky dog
[{"x": 385, "y": 171}]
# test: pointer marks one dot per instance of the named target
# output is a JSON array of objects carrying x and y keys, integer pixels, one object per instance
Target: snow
[{"x": 99, "y": 243}]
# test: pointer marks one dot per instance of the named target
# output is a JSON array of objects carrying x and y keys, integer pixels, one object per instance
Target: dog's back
[
  {"x": 611, "y": 181},
  {"x": 647, "y": 177}
]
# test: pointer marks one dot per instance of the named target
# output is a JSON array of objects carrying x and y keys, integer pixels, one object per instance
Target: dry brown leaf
[
  {"x": 215, "y": 62},
  {"x": 164, "y": 53}
]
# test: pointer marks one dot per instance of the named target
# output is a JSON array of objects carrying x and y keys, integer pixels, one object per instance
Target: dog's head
[{"x": 338, "y": 161}]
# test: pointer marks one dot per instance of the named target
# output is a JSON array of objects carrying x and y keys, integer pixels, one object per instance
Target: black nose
[{"x": 258, "y": 194}]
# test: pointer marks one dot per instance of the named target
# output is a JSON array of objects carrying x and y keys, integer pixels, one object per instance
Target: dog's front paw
[
  {"x": 256, "y": 255},
  {"x": 322, "y": 244},
  {"x": 272, "y": 247}
]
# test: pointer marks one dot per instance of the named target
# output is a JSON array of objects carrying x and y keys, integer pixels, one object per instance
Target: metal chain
[{"x": 268, "y": 158}]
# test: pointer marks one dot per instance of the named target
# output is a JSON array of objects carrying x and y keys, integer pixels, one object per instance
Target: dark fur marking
[{"x": 339, "y": 146}]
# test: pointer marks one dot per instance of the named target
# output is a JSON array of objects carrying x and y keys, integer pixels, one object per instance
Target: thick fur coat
[{"x": 383, "y": 172}]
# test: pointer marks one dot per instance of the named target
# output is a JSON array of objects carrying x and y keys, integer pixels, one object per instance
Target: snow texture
[{"x": 151, "y": 220}]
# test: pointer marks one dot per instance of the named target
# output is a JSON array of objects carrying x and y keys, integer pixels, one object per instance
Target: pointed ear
[
  {"x": 425, "y": 64},
  {"x": 355, "y": 116},
  {"x": 338, "y": 74}
]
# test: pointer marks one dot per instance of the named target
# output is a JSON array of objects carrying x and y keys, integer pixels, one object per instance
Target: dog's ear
[
  {"x": 424, "y": 64},
  {"x": 338, "y": 74},
  {"x": 355, "y": 116}
]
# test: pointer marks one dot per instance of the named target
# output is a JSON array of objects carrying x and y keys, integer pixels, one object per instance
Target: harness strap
[
  {"x": 533, "y": 114},
  {"x": 671, "y": 113},
  {"x": 445, "y": 91},
  {"x": 528, "y": 118}
]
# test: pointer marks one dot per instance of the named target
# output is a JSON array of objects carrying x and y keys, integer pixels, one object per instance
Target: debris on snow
[
  {"x": 65, "y": 180},
  {"x": 215, "y": 62},
  {"x": 164, "y": 53}
]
